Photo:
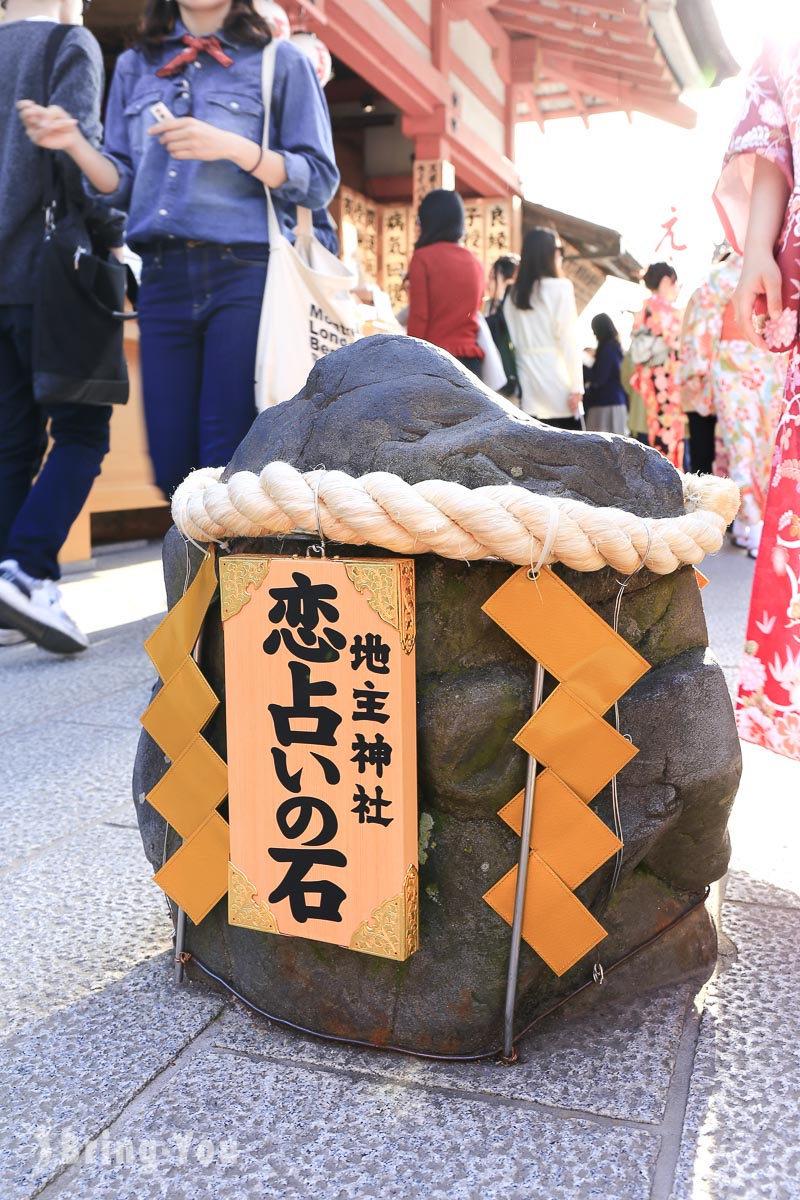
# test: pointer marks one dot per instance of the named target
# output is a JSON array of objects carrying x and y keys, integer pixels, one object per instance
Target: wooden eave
[
  {"x": 574, "y": 58},
  {"x": 588, "y": 242}
]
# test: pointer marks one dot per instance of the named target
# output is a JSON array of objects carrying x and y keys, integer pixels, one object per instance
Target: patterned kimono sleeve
[
  {"x": 702, "y": 326},
  {"x": 639, "y": 377},
  {"x": 671, "y": 321},
  {"x": 762, "y": 130},
  {"x": 642, "y": 319}
]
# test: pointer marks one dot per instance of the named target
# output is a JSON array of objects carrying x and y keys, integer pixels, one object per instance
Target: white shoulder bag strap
[{"x": 305, "y": 226}]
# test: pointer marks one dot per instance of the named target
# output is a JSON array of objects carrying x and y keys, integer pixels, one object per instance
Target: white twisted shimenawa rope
[{"x": 443, "y": 518}]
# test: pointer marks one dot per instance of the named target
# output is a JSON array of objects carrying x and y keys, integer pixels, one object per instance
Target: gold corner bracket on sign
[
  {"x": 408, "y": 607},
  {"x": 393, "y": 929},
  {"x": 243, "y": 908},
  {"x": 411, "y": 901},
  {"x": 392, "y": 588},
  {"x": 236, "y": 575}
]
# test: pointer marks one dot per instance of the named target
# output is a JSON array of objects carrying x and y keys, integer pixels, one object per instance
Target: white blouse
[{"x": 545, "y": 339}]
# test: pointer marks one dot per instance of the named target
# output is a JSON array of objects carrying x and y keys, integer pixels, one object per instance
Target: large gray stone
[
  {"x": 396, "y": 404},
  {"x": 399, "y": 405}
]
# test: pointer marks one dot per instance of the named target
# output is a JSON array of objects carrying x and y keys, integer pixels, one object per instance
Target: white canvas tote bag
[
  {"x": 309, "y": 308},
  {"x": 492, "y": 372}
]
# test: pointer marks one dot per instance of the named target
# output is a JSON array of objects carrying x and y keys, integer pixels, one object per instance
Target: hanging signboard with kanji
[
  {"x": 397, "y": 223},
  {"x": 321, "y": 735}
]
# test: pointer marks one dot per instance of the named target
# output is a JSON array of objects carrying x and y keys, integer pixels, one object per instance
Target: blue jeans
[
  {"x": 35, "y": 517},
  {"x": 199, "y": 312}
]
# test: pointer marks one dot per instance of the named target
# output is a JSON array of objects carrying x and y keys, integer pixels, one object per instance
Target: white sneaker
[
  {"x": 11, "y": 637},
  {"x": 740, "y": 534},
  {"x": 33, "y": 607},
  {"x": 754, "y": 540}
]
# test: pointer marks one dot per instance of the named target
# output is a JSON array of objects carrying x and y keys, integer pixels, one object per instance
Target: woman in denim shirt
[{"x": 193, "y": 186}]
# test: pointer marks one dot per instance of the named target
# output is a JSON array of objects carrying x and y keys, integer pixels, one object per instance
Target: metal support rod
[
  {"x": 180, "y": 923},
  {"x": 180, "y": 939},
  {"x": 522, "y": 880}
]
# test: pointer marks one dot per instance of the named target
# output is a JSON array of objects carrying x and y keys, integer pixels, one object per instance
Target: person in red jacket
[{"x": 445, "y": 281}]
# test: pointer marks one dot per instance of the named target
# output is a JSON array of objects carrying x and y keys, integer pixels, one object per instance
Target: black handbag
[
  {"x": 79, "y": 296},
  {"x": 502, "y": 339}
]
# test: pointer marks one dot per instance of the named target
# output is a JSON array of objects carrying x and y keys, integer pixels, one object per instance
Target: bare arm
[
  {"x": 54, "y": 129},
  {"x": 99, "y": 170},
  {"x": 183, "y": 137},
  {"x": 271, "y": 170},
  {"x": 760, "y": 274},
  {"x": 188, "y": 138}
]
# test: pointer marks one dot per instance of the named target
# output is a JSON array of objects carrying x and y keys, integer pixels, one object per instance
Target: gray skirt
[{"x": 608, "y": 418}]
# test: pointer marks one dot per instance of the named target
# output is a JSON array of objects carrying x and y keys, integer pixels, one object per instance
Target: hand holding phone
[{"x": 160, "y": 111}]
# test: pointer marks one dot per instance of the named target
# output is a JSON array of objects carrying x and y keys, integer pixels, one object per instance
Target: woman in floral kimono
[
  {"x": 722, "y": 375},
  {"x": 654, "y": 351},
  {"x": 758, "y": 199}
]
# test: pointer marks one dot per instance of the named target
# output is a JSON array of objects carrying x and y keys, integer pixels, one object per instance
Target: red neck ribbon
[{"x": 195, "y": 46}]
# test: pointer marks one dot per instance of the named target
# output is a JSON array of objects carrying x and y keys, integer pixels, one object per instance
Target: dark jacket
[
  {"x": 77, "y": 85},
  {"x": 604, "y": 387}
]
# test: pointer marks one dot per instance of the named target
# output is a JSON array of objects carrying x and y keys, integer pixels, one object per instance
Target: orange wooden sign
[{"x": 321, "y": 724}]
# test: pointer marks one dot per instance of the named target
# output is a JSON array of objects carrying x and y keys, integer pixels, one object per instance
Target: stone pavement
[{"x": 115, "y": 1084}]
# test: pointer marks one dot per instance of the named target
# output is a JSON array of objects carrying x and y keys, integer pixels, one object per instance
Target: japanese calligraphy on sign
[
  {"x": 475, "y": 239},
  {"x": 431, "y": 173},
  {"x": 361, "y": 214},
  {"x": 397, "y": 244},
  {"x": 384, "y": 234},
  {"x": 492, "y": 227},
  {"x": 320, "y": 696},
  {"x": 668, "y": 237},
  {"x": 500, "y": 220}
]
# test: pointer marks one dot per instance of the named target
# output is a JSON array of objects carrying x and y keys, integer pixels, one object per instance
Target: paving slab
[
  {"x": 123, "y": 585},
  {"x": 615, "y": 1062},
  {"x": 58, "y": 779},
  {"x": 75, "y": 918},
  {"x": 121, "y": 710},
  {"x": 765, "y": 832},
  {"x": 295, "y": 1132},
  {"x": 741, "y": 1131},
  {"x": 36, "y": 686},
  {"x": 62, "y": 1081},
  {"x": 726, "y": 601}
]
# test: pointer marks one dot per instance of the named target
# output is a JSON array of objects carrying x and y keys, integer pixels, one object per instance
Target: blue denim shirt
[{"x": 217, "y": 201}]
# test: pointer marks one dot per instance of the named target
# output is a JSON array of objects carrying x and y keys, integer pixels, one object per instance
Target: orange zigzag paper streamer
[
  {"x": 581, "y": 751},
  {"x": 196, "y": 783}
]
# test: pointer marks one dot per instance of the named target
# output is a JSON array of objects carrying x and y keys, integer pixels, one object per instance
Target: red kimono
[{"x": 768, "y": 705}]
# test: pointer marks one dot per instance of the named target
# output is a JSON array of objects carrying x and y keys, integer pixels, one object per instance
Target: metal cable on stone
[{"x": 451, "y": 520}]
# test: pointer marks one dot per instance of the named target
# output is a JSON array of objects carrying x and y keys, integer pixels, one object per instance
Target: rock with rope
[
  {"x": 440, "y": 517},
  {"x": 391, "y": 446}
]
